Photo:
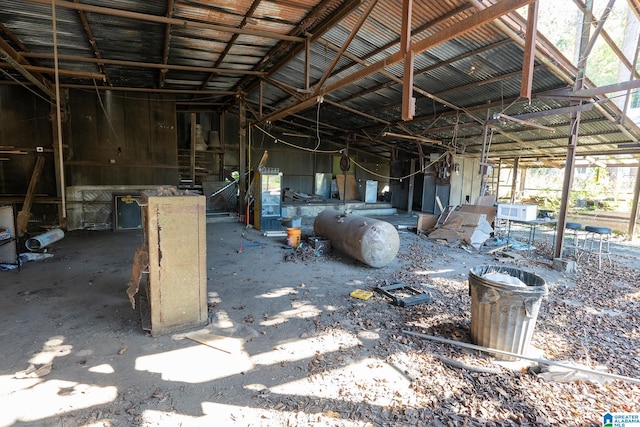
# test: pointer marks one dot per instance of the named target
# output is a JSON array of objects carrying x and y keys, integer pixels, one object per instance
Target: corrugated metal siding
[{"x": 449, "y": 71}]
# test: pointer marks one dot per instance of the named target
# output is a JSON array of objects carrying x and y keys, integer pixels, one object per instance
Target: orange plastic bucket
[{"x": 293, "y": 236}]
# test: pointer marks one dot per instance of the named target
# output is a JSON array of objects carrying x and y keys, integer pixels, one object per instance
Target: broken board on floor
[{"x": 403, "y": 295}]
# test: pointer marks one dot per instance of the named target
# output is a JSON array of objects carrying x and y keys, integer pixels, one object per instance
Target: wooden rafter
[
  {"x": 17, "y": 62},
  {"x": 408, "y": 101},
  {"x": 294, "y": 50},
  {"x": 166, "y": 44},
  {"x": 93, "y": 44},
  {"x": 232, "y": 41},
  {"x": 164, "y": 20},
  {"x": 529, "y": 51},
  {"x": 161, "y": 66},
  {"x": 345, "y": 45}
]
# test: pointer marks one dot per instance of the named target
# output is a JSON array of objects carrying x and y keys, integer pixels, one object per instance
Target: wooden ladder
[{"x": 444, "y": 215}]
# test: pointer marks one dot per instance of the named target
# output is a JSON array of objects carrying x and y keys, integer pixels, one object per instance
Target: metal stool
[
  {"x": 575, "y": 228},
  {"x": 597, "y": 240}
]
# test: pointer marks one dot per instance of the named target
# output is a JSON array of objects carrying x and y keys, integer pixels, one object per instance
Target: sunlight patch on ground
[
  {"x": 305, "y": 348},
  {"x": 102, "y": 369},
  {"x": 223, "y": 320},
  {"x": 9, "y": 384},
  {"x": 301, "y": 310},
  {"x": 280, "y": 292},
  {"x": 378, "y": 381},
  {"x": 217, "y": 414},
  {"x": 194, "y": 364},
  {"x": 51, "y": 349},
  {"x": 50, "y": 399}
]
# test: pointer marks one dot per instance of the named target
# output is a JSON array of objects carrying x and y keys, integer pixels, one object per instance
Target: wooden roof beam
[
  {"x": 231, "y": 42},
  {"x": 18, "y": 63},
  {"x": 529, "y": 51},
  {"x": 165, "y": 20},
  {"x": 162, "y": 66},
  {"x": 93, "y": 44},
  {"x": 166, "y": 44}
]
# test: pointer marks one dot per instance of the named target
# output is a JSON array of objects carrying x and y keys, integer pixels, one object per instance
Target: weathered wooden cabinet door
[{"x": 175, "y": 234}]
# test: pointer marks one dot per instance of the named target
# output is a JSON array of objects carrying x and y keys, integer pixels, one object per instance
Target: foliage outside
[{"x": 593, "y": 188}]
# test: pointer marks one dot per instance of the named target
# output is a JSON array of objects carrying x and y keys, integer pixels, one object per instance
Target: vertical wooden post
[
  {"x": 514, "y": 178},
  {"x": 529, "y": 51},
  {"x": 58, "y": 166},
  {"x": 25, "y": 213},
  {"x": 242, "y": 154},
  {"x": 63, "y": 197},
  {"x": 411, "y": 185},
  {"x": 634, "y": 207},
  {"x": 573, "y": 134},
  {"x": 408, "y": 102},
  {"x": 192, "y": 163}
]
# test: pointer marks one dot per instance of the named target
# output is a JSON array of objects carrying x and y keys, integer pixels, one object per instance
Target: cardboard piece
[
  {"x": 486, "y": 200},
  {"x": 469, "y": 227},
  {"x": 225, "y": 344},
  {"x": 449, "y": 231},
  {"x": 426, "y": 222},
  {"x": 468, "y": 218},
  {"x": 351, "y": 188},
  {"x": 489, "y": 211}
]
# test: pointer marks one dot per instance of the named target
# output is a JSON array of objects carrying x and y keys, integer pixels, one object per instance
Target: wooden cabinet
[
  {"x": 175, "y": 236},
  {"x": 8, "y": 241}
]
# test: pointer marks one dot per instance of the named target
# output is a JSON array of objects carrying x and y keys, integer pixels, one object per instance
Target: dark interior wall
[
  {"x": 120, "y": 138},
  {"x": 24, "y": 125},
  {"x": 299, "y": 160}
]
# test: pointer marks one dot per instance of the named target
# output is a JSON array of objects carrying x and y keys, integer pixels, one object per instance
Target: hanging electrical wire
[
  {"x": 402, "y": 177},
  {"x": 106, "y": 115},
  {"x": 279, "y": 140},
  {"x": 26, "y": 87}
]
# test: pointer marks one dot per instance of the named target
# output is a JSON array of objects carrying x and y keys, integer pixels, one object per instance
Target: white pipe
[
  {"x": 533, "y": 359},
  {"x": 44, "y": 240}
]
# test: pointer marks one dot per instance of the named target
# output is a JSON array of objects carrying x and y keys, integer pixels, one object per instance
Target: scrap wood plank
[
  {"x": 499, "y": 248},
  {"x": 351, "y": 187},
  {"x": 25, "y": 212},
  {"x": 439, "y": 204},
  {"x": 225, "y": 344},
  {"x": 513, "y": 255}
]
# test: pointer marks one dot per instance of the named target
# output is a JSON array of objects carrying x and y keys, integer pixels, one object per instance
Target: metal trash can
[{"x": 503, "y": 315}]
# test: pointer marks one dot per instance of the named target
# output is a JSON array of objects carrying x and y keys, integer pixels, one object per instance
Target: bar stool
[
  {"x": 575, "y": 227},
  {"x": 597, "y": 238}
]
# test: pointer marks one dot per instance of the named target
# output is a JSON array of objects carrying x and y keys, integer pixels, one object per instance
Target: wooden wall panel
[{"x": 122, "y": 139}]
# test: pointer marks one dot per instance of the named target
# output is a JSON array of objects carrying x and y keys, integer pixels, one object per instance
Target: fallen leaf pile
[{"x": 590, "y": 318}]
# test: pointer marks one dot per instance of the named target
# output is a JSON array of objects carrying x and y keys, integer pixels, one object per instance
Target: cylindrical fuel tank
[{"x": 369, "y": 240}]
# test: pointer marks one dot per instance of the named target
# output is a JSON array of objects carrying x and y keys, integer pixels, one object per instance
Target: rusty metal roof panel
[
  {"x": 478, "y": 67},
  {"x": 33, "y": 26}
]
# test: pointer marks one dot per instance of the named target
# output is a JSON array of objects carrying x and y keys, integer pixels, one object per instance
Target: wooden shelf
[{"x": 207, "y": 163}]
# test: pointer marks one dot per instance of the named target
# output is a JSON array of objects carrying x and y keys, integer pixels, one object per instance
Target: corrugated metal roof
[{"x": 201, "y": 45}]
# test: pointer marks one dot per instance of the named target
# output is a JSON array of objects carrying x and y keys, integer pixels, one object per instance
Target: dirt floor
[{"x": 298, "y": 350}]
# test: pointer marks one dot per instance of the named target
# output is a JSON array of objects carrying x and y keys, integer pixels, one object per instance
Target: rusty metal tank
[{"x": 371, "y": 241}]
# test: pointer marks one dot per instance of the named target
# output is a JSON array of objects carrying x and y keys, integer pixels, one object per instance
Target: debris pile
[
  {"x": 466, "y": 224},
  {"x": 302, "y": 252}
]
